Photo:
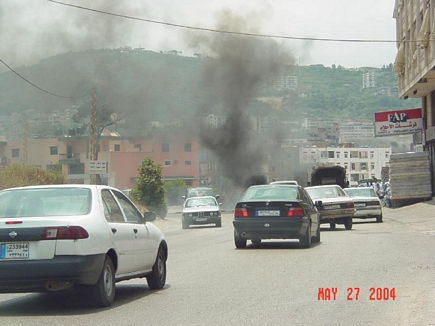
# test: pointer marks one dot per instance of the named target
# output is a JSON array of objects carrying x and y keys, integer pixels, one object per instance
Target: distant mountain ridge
[{"x": 158, "y": 86}]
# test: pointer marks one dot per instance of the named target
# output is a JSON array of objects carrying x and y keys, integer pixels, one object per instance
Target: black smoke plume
[{"x": 235, "y": 68}]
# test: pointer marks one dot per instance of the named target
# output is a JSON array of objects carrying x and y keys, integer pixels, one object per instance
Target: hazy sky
[{"x": 31, "y": 30}]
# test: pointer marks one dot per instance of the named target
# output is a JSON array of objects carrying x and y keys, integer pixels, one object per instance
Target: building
[
  {"x": 283, "y": 82},
  {"x": 415, "y": 63},
  {"x": 369, "y": 80},
  {"x": 356, "y": 130},
  {"x": 178, "y": 156},
  {"x": 360, "y": 163},
  {"x": 322, "y": 131}
]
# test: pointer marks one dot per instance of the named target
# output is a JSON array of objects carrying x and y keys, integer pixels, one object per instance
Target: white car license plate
[
  {"x": 331, "y": 207},
  {"x": 201, "y": 219},
  {"x": 268, "y": 213},
  {"x": 14, "y": 250},
  {"x": 360, "y": 205}
]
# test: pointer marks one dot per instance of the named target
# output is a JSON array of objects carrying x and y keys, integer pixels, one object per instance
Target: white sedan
[
  {"x": 367, "y": 203},
  {"x": 201, "y": 210},
  {"x": 336, "y": 206},
  {"x": 84, "y": 237}
]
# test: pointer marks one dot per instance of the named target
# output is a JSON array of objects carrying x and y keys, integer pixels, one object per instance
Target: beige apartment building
[{"x": 415, "y": 63}]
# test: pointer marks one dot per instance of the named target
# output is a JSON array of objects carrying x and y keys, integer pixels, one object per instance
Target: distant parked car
[
  {"x": 336, "y": 207},
  {"x": 84, "y": 237},
  {"x": 367, "y": 203},
  {"x": 276, "y": 212},
  {"x": 201, "y": 210}
]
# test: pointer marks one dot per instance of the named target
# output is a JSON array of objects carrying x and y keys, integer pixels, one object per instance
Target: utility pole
[
  {"x": 93, "y": 132},
  {"x": 25, "y": 139}
]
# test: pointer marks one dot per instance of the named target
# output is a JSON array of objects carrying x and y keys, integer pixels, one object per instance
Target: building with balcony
[{"x": 415, "y": 63}]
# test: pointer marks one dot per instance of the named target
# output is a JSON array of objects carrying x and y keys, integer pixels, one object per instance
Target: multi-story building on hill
[
  {"x": 356, "y": 130},
  {"x": 369, "y": 80},
  {"x": 283, "y": 82},
  {"x": 322, "y": 131}
]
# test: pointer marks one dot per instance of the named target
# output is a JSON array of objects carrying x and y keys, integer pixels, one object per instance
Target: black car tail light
[
  {"x": 64, "y": 233},
  {"x": 241, "y": 212},
  {"x": 295, "y": 212}
]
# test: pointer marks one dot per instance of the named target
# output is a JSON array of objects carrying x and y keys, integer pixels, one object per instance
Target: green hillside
[{"x": 149, "y": 86}]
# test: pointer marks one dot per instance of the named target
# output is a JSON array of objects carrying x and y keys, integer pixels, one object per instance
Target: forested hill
[{"x": 156, "y": 86}]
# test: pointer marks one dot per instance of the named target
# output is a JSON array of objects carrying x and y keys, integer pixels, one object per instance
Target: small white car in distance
[{"x": 84, "y": 237}]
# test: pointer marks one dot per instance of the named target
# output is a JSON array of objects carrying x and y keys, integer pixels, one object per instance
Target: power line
[
  {"x": 225, "y": 31},
  {"x": 36, "y": 86}
]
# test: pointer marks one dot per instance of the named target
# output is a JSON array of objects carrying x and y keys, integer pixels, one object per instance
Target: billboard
[{"x": 399, "y": 122}]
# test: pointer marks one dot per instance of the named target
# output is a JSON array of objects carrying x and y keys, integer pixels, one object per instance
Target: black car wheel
[
  {"x": 332, "y": 225},
  {"x": 239, "y": 241},
  {"x": 184, "y": 225},
  {"x": 379, "y": 218},
  {"x": 316, "y": 239},
  {"x": 256, "y": 241},
  {"x": 157, "y": 278},
  {"x": 219, "y": 224},
  {"x": 348, "y": 223},
  {"x": 305, "y": 242},
  {"x": 103, "y": 292}
]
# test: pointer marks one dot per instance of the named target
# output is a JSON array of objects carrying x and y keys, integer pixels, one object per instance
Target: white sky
[{"x": 31, "y": 30}]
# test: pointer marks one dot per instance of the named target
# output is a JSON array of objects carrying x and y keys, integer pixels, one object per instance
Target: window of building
[
  {"x": 337, "y": 154},
  {"x": 372, "y": 155},
  {"x": 330, "y": 154},
  {"x": 187, "y": 147},
  {"x": 372, "y": 166},
  {"x": 323, "y": 154},
  {"x": 53, "y": 150},
  {"x": 387, "y": 155},
  {"x": 165, "y": 147},
  {"x": 167, "y": 163},
  {"x": 354, "y": 154},
  {"x": 138, "y": 146},
  {"x": 363, "y": 166},
  {"x": 363, "y": 154},
  {"x": 187, "y": 162},
  {"x": 352, "y": 166},
  {"x": 15, "y": 152},
  {"x": 345, "y": 155},
  {"x": 117, "y": 147}
]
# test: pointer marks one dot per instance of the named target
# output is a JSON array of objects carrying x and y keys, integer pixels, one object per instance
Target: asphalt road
[{"x": 274, "y": 283}]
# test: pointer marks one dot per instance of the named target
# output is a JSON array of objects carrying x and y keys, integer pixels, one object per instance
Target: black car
[{"x": 276, "y": 212}]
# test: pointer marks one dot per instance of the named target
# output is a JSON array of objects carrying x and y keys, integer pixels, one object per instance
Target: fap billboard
[{"x": 399, "y": 122}]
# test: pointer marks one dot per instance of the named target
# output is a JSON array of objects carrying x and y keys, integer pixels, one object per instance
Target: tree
[
  {"x": 175, "y": 189},
  {"x": 22, "y": 175},
  {"x": 150, "y": 191}
]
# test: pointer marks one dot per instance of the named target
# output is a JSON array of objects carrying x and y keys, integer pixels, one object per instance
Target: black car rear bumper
[
  {"x": 267, "y": 228},
  {"x": 37, "y": 275}
]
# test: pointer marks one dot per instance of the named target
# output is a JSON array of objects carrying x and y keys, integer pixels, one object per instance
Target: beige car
[{"x": 336, "y": 206}]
